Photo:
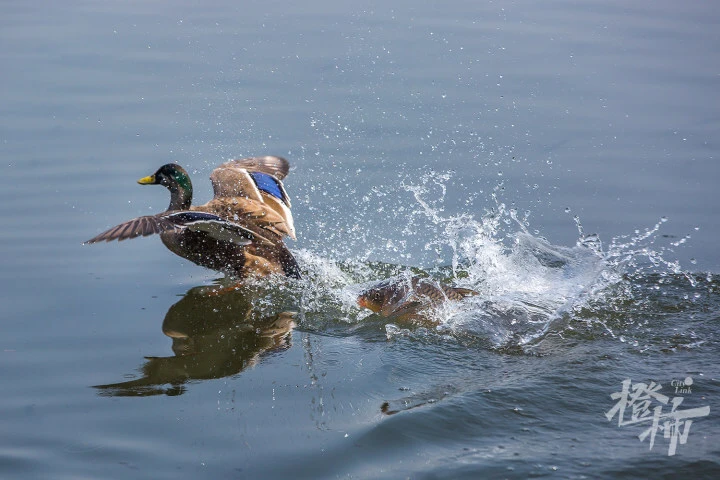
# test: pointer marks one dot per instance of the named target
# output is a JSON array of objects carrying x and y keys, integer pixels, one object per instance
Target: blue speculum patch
[{"x": 268, "y": 184}]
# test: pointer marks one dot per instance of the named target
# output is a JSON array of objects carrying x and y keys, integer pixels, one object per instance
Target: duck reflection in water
[{"x": 214, "y": 335}]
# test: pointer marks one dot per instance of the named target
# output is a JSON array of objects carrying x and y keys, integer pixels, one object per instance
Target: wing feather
[
  {"x": 238, "y": 209},
  {"x": 238, "y": 195},
  {"x": 137, "y": 227},
  {"x": 215, "y": 226},
  {"x": 270, "y": 164}
]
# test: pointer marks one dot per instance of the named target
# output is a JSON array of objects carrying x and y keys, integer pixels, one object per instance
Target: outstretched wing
[
  {"x": 252, "y": 185},
  {"x": 213, "y": 225},
  {"x": 249, "y": 177},
  {"x": 137, "y": 227}
]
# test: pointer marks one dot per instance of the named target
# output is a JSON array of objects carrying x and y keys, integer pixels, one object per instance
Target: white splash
[{"x": 525, "y": 283}]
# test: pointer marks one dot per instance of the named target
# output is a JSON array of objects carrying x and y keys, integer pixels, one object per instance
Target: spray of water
[{"x": 528, "y": 288}]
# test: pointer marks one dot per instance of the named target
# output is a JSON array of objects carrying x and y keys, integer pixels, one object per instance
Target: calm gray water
[{"x": 482, "y": 143}]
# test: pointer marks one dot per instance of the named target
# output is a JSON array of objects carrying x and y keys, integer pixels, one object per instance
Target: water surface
[{"x": 558, "y": 158}]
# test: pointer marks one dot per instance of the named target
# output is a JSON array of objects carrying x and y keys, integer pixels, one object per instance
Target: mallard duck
[
  {"x": 405, "y": 298},
  {"x": 239, "y": 232}
]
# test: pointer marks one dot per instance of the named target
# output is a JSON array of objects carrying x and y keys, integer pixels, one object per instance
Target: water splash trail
[{"x": 528, "y": 287}]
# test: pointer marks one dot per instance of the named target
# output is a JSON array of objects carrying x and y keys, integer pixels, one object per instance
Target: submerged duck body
[
  {"x": 239, "y": 232},
  {"x": 406, "y": 298}
]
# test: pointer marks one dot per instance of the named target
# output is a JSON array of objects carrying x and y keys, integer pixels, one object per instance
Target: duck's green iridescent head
[
  {"x": 168, "y": 175},
  {"x": 174, "y": 178}
]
